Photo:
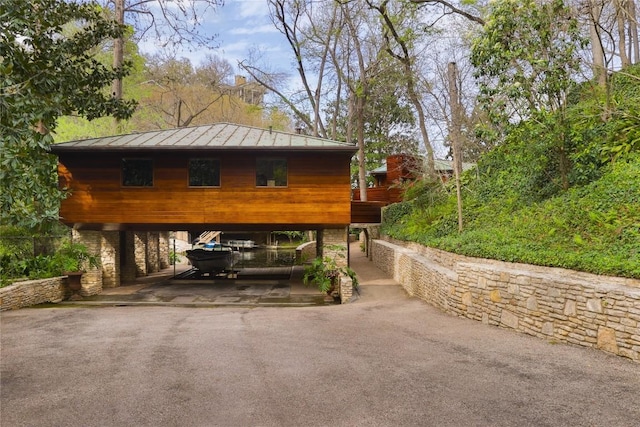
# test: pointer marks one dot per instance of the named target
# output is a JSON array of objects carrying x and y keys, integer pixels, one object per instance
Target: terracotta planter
[{"x": 74, "y": 282}]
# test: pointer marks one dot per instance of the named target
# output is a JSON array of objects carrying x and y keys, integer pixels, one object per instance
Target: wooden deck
[{"x": 366, "y": 212}]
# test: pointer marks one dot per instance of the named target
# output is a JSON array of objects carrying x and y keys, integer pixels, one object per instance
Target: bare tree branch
[
  {"x": 453, "y": 9},
  {"x": 255, "y": 74}
]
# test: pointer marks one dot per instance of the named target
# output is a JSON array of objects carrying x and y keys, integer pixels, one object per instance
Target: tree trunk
[
  {"x": 621, "y": 18},
  {"x": 634, "y": 45},
  {"x": 360, "y": 91},
  {"x": 599, "y": 71},
  {"x": 118, "y": 49},
  {"x": 405, "y": 59},
  {"x": 454, "y": 133},
  {"x": 362, "y": 167}
]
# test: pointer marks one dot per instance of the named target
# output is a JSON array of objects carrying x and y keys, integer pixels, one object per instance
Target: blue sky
[{"x": 241, "y": 25}]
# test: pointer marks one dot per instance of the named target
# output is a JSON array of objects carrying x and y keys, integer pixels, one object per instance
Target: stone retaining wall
[
  {"x": 306, "y": 252},
  {"x": 550, "y": 303},
  {"x": 32, "y": 292}
]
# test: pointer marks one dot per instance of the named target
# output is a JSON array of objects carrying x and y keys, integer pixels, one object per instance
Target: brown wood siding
[
  {"x": 366, "y": 212},
  {"x": 318, "y": 191},
  {"x": 374, "y": 194}
]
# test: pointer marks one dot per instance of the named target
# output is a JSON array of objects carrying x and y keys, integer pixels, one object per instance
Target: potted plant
[
  {"x": 325, "y": 274},
  {"x": 72, "y": 260}
]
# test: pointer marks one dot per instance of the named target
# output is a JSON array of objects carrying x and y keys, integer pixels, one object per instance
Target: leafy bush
[
  {"x": 68, "y": 257},
  {"x": 593, "y": 228},
  {"x": 324, "y": 273},
  {"x": 561, "y": 190}
]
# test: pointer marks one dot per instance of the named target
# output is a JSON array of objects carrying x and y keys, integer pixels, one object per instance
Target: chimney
[{"x": 241, "y": 80}]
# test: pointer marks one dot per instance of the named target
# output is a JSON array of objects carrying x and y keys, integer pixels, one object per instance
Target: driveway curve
[{"x": 383, "y": 360}]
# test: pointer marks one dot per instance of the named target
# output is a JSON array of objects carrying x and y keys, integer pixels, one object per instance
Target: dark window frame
[
  {"x": 217, "y": 162},
  {"x": 266, "y": 174},
  {"x": 140, "y": 181}
]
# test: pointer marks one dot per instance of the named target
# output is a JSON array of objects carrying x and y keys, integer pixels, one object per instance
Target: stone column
[
  {"x": 164, "y": 250},
  {"x": 153, "y": 252},
  {"x": 140, "y": 249},
  {"x": 335, "y": 245},
  {"x": 319, "y": 243},
  {"x": 92, "y": 278},
  {"x": 128, "y": 268},
  {"x": 110, "y": 259},
  {"x": 372, "y": 233}
]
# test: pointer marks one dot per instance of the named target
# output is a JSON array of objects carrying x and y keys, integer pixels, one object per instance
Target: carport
[{"x": 128, "y": 192}]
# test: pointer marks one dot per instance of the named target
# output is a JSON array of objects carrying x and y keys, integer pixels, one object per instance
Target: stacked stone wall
[
  {"x": 109, "y": 259},
  {"x": 129, "y": 269},
  {"x": 335, "y": 246},
  {"x": 306, "y": 252},
  {"x": 153, "y": 252},
  {"x": 32, "y": 292},
  {"x": 551, "y": 303},
  {"x": 92, "y": 277},
  {"x": 164, "y": 250},
  {"x": 140, "y": 253}
]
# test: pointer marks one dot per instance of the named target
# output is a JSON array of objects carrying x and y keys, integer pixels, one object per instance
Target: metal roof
[
  {"x": 217, "y": 136},
  {"x": 439, "y": 165}
]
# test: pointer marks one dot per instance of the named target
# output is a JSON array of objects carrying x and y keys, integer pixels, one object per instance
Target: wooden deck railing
[{"x": 380, "y": 194}]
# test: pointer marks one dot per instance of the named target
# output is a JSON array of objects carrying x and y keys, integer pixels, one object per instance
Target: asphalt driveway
[{"x": 383, "y": 360}]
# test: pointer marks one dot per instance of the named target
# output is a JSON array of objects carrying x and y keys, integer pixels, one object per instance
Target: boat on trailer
[{"x": 215, "y": 260}]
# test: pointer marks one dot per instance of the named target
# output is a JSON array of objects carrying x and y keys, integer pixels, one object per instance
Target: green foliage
[
  {"x": 520, "y": 206},
  {"x": 73, "y": 257},
  {"x": 21, "y": 258},
  {"x": 526, "y": 56},
  {"x": 324, "y": 273},
  {"x": 395, "y": 213},
  {"x": 624, "y": 137},
  {"x": 293, "y": 236},
  {"x": 174, "y": 257},
  {"x": 47, "y": 71},
  {"x": 593, "y": 228}
]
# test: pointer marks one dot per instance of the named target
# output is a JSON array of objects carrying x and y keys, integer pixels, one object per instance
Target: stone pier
[
  {"x": 123, "y": 256},
  {"x": 335, "y": 245}
]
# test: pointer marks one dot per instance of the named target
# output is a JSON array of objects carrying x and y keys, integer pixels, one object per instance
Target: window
[
  {"x": 271, "y": 173},
  {"x": 204, "y": 173},
  {"x": 137, "y": 172}
]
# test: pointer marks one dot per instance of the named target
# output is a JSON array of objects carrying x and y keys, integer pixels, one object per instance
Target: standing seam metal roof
[{"x": 219, "y": 136}]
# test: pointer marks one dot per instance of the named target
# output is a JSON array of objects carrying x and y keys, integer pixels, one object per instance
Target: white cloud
[
  {"x": 242, "y": 31},
  {"x": 250, "y": 8},
  {"x": 241, "y": 26}
]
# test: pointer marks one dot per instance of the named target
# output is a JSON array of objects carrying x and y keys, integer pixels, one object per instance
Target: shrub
[{"x": 594, "y": 228}]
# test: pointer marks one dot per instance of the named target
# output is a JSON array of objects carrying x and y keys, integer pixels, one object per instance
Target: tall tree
[
  {"x": 181, "y": 94},
  {"x": 398, "y": 44},
  {"x": 526, "y": 59},
  {"x": 311, "y": 31},
  {"x": 169, "y": 23},
  {"x": 47, "y": 72}
]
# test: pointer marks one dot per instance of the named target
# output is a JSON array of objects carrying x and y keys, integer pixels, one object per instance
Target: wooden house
[
  {"x": 222, "y": 176},
  {"x": 127, "y": 190},
  {"x": 399, "y": 169}
]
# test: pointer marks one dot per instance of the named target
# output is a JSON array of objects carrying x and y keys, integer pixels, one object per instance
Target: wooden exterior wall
[
  {"x": 317, "y": 195},
  {"x": 388, "y": 189},
  {"x": 366, "y": 212}
]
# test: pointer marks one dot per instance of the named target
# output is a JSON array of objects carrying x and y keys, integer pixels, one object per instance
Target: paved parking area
[{"x": 383, "y": 360}]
